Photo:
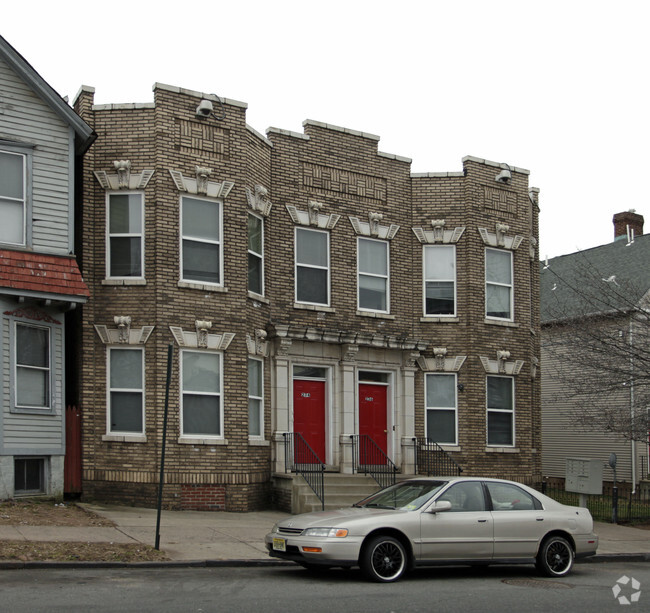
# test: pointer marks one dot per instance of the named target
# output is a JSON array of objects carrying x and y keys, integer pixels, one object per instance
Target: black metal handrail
[
  {"x": 369, "y": 458},
  {"x": 432, "y": 459},
  {"x": 300, "y": 458}
]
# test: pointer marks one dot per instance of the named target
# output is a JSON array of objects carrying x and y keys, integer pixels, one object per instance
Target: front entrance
[
  {"x": 309, "y": 415},
  {"x": 373, "y": 417}
]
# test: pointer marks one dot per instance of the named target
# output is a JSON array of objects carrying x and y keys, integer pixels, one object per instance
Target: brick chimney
[{"x": 623, "y": 220}]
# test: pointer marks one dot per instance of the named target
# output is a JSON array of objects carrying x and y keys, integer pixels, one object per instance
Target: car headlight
[{"x": 326, "y": 532}]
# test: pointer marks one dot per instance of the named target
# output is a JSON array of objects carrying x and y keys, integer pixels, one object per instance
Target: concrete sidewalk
[{"x": 193, "y": 536}]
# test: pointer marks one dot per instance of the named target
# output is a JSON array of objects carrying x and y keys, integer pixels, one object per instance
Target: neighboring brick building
[{"x": 307, "y": 283}]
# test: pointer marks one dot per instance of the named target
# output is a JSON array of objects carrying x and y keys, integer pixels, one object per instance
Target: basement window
[{"x": 29, "y": 476}]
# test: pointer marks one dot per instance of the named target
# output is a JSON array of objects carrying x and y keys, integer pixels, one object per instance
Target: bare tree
[{"x": 596, "y": 342}]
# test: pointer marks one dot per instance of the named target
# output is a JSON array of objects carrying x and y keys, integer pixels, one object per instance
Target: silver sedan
[{"x": 439, "y": 520}]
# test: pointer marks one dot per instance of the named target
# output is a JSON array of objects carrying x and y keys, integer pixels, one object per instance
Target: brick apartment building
[{"x": 308, "y": 284}]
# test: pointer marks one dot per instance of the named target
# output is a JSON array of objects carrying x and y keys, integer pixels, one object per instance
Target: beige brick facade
[{"x": 327, "y": 180}]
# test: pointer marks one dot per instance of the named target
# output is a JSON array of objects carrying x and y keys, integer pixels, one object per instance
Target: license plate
[{"x": 279, "y": 544}]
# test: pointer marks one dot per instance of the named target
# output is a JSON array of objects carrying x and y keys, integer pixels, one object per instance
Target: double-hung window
[
  {"x": 125, "y": 390},
  {"x": 312, "y": 266},
  {"x": 500, "y": 411},
  {"x": 440, "y": 280},
  {"x": 255, "y": 254},
  {"x": 33, "y": 373},
  {"x": 255, "y": 398},
  {"x": 125, "y": 253},
  {"x": 13, "y": 198},
  {"x": 201, "y": 413},
  {"x": 441, "y": 409},
  {"x": 498, "y": 284},
  {"x": 201, "y": 237},
  {"x": 373, "y": 278}
]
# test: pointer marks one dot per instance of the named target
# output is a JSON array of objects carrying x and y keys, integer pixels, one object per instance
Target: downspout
[{"x": 632, "y": 415}]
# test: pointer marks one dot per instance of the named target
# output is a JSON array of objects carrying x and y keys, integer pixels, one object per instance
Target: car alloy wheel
[
  {"x": 555, "y": 557},
  {"x": 383, "y": 559}
]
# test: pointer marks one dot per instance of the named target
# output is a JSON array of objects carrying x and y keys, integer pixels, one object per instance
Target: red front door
[
  {"x": 372, "y": 414},
  {"x": 309, "y": 415}
]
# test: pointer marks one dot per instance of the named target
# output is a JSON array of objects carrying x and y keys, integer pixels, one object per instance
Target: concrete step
[{"x": 341, "y": 490}]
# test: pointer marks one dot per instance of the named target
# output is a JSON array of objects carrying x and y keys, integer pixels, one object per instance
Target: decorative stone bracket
[
  {"x": 123, "y": 333},
  {"x": 373, "y": 228},
  {"x": 123, "y": 178},
  {"x": 258, "y": 345},
  {"x": 438, "y": 234},
  {"x": 258, "y": 200},
  {"x": 201, "y": 337},
  {"x": 440, "y": 361},
  {"x": 500, "y": 238},
  {"x": 313, "y": 216},
  {"x": 201, "y": 184},
  {"x": 502, "y": 365}
]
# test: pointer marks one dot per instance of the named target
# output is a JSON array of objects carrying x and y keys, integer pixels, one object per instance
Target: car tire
[
  {"x": 555, "y": 557},
  {"x": 383, "y": 559}
]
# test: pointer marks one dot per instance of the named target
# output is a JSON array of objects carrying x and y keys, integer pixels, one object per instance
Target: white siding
[
  {"x": 33, "y": 432},
  {"x": 26, "y": 118},
  {"x": 563, "y": 438}
]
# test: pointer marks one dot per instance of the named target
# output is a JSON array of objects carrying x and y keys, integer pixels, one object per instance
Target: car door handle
[
  {"x": 482, "y": 521},
  {"x": 539, "y": 519}
]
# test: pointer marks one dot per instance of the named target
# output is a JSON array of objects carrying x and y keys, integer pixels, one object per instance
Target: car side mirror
[{"x": 439, "y": 505}]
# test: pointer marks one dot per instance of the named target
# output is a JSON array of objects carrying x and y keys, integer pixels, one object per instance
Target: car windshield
[{"x": 407, "y": 495}]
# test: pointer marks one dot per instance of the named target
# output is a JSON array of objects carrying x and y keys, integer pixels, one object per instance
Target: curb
[
  {"x": 40, "y": 564},
  {"x": 260, "y": 563}
]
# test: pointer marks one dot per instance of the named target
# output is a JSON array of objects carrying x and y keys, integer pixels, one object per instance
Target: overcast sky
[{"x": 557, "y": 87}]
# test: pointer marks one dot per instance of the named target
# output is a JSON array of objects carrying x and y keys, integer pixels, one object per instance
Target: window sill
[
  {"x": 204, "y": 287},
  {"x": 451, "y": 448},
  {"x": 34, "y": 411},
  {"x": 439, "y": 319},
  {"x": 499, "y": 322},
  {"x": 313, "y": 307},
  {"x": 258, "y": 297},
  {"x": 186, "y": 440},
  {"x": 501, "y": 450},
  {"x": 125, "y": 438},
  {"x": 376, "y": 314},
  {"x": 124, "y": 281},
  {"x": 258, "y": 442}
]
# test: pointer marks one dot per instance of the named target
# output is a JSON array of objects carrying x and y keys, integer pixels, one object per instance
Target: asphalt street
[{"x": 287, "y": 589}]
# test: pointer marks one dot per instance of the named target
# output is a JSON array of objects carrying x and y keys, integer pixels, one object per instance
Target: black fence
[{"x": 626, "y": 506}]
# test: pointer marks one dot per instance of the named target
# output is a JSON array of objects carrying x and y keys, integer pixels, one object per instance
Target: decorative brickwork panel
[
  {"x": 500, "y": 200},
  {"x": 203, "y": 497},
  {"x": 326, "y": 178},
  {"x": 195, "y": 137}
]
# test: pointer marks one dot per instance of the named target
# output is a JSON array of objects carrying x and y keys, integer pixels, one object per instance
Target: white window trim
[
  {"x": 25, "y": 407},
  {"x": 202, "y": 438},
  {"x": 368, "y": 274},
  {"x": 327, "y": 268},
  {"x": 495, "y": 410},
  {"x": 260, "y": 436},
  {"x": 425, "y": 279},
  {"x": 26, "y": 199},
  {"x": 258, "y": 255},
  {"x": 109, "y": 389},
  {"x": 510, "y": 286},
  {"x": 218, "y": 241},
  {"x": 454, "y": 408},
  {"x": 127, "y": 235}
]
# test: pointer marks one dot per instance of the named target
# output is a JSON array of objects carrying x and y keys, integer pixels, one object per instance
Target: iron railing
[
  {"x": 369, "y": 458},
  {"x": 300, "y": 458},
  {"x": 432, "y": 459}
]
